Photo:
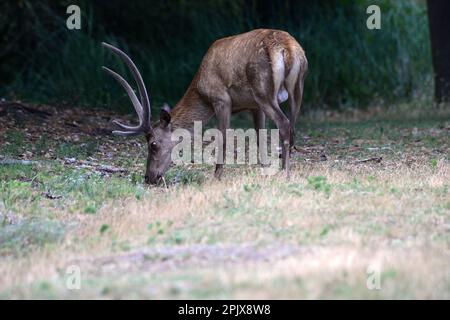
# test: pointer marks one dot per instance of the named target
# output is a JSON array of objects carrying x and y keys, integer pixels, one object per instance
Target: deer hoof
[{"x": 218, "y": 172}]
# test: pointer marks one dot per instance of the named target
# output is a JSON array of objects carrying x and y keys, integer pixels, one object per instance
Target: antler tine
[
  {"x": 145, "y": 102},
  {"x": 126, "y": 133},
  {"x": 134, "y": 100},
  {"x": 125, "y": 127}
]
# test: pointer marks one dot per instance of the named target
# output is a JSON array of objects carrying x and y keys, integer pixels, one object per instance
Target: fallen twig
[
  {"x": 13, "y": 161},
  {"x": 373, "y": 159},
  {"x": 51, "y": 196},
  {"x": 94, "y": 166},
  {"x": 379, "y": 148},
  {"x": 18, "y": 105},
  {"x": 110, "y": 169}
]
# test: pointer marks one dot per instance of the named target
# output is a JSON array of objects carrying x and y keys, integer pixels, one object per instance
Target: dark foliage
[{"x": 42, "y": 61}]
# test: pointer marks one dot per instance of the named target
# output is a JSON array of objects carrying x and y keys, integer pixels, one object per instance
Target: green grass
[
  {"x": 25, "y": 189},
  {"x": 14, "y": 143},
  {"x": 29, "y": 235},
  {"x": 313, "y": 236},
  {"x": 319, "y": 183}
]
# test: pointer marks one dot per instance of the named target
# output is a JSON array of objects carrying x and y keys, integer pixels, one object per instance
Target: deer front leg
[
  {"x": 222, "y": 109},
  {"x": 259, "y": 120}
]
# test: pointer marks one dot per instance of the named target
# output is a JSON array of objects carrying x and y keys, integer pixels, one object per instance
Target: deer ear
[
  {"x": 166, "y": 107},
  {"x": 164, "y": 117}
]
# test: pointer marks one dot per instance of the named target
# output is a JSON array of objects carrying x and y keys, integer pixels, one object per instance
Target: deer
[{"x": 254, "y": 71}]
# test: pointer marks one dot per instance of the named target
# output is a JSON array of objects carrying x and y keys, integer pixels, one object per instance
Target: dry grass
[
  {"x": 229, "y": 236},
  {"x": 318, "y": 235}
]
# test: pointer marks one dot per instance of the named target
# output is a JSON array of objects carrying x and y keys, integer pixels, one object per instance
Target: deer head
[{"x": 158, "y": 134}]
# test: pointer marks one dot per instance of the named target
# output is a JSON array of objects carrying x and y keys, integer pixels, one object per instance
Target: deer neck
[{"x": 189, "y": 109}]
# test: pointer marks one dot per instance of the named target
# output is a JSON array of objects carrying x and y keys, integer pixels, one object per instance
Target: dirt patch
[{"x": 168, "y": 258}]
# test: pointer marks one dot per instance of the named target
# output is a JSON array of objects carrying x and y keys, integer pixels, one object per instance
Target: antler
[{"x": 141, "y": 106}]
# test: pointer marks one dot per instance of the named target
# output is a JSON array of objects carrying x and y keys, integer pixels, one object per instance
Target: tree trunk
[{"x": 439, "y": 22}]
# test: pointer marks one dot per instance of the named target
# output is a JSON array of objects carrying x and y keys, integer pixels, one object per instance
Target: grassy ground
[{"x": 368, "y": 199}]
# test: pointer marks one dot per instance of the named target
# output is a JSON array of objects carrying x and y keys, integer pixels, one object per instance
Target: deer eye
[{"x": 154, "y": 146}]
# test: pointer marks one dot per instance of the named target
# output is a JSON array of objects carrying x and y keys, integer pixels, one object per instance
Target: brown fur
[
  {"x": 253, "y": 71},
  {"x": 224, "y": 66}
]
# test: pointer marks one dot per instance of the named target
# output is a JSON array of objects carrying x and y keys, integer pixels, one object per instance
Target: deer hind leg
[
  {"x": 265, "y": 95},
  {"x": 222, "y": 108},
  {"x": 292, "y": 84},
  {"x": 297, "y": 100},
  {"x": 272, "y": 109},
  {"x": 274, "y": 112}
]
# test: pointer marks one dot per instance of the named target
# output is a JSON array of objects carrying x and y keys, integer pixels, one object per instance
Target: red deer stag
[{"x": 253, "y": 71}]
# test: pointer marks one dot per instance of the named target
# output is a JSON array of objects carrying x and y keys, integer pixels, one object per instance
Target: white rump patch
[
  {"x": 292, "y": 77},
  {"x": 278, "y": 76},
  {"x": 278, "y": 64}
]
